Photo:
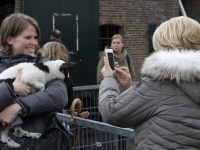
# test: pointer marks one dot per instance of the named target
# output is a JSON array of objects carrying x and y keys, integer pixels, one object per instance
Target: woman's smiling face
[{"x": 26, "y": 42}]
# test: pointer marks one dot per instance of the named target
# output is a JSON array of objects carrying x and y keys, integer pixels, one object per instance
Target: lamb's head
[{"x": 58, "y": 69}]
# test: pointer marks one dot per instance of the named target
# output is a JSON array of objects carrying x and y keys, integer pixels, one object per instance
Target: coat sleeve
[
  {"x": 130, "y": 108},
  {"x": 7, "y": 96},
  {"x": 132, "y": 72},
  {"x": 53, "y": 98}
]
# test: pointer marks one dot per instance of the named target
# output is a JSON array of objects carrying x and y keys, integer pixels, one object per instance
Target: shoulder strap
[{"x": 128, "y": 60}]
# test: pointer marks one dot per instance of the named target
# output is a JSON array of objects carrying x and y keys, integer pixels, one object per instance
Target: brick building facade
[
  {"x": 135, "y": 16},
  {"x": 192, "y": 8}
]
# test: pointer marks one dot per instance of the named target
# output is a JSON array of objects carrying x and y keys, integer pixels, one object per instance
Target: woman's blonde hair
[
  {"x": 55, "y": 50},
  {"x": 117, "y": 36},
  {"x": 177, "y": 33}
]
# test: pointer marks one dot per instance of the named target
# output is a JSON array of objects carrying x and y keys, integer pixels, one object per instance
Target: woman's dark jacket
[
  {"x": 69, "y": 85},
  {"x": 38, "y": 106}
]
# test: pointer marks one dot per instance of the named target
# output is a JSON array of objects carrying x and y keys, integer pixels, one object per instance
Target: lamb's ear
[{"x": 66, "y": 66}]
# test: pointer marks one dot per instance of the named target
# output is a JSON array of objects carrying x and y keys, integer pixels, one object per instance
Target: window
[
  {"x": 105, "y": 34},
  {"x": 151, "y": 31}
]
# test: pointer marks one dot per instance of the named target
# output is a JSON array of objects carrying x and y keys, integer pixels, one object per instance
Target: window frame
[{"x": 106, "y": 32}]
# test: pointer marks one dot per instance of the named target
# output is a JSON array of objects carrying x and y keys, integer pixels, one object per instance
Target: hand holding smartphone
[{"x": 110, "y": 56}]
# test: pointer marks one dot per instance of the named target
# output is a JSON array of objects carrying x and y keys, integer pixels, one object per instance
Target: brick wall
[
  {"x": 135, "y": 16},
  {"x": 192, "y": 8}
]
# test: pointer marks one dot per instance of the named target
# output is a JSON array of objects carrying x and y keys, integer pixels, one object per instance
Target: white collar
[{"x": 173, "y": 64}]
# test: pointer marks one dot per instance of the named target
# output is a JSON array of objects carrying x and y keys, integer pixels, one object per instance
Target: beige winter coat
[
  {"x": 164, "y": 107},
  {"x": 121, "y": 59}
]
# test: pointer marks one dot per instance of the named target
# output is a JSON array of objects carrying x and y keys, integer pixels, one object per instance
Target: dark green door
[{"x": 78, "y": 20}]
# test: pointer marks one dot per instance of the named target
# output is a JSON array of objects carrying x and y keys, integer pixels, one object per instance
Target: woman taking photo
[{"x": 164, "y": 106}]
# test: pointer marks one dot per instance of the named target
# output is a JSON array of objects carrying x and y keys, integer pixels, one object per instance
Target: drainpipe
[{"x": 182, "y": 8}]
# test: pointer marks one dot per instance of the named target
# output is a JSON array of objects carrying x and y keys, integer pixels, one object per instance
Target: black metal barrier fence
[{"x": 93, "y": 133}]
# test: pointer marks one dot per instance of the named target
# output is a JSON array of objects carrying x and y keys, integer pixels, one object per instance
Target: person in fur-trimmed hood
[{"x": 164, "y": 106}]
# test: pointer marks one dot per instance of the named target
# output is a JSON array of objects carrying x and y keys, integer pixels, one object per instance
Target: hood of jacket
[
  {"x": 11, "y": 60},
  {"x": 180, "y": 66}
]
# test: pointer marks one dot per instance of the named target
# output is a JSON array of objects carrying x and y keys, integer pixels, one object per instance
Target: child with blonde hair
[{"x": 54, "y": 51}]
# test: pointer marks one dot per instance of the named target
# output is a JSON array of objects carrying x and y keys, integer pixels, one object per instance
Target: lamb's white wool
[
  {"x": 173, "y": 64},
  {"x": 33, "y": 75},
  {"x": 36, "y": 75}
]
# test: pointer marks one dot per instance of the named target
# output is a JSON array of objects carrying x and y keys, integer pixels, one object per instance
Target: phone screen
[{"x": 111, "y": 60}]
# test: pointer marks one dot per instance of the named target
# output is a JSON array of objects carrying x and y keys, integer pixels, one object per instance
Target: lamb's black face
[
  {"x": 65, "y": 69},
  {"x": 66, "y": 73}
]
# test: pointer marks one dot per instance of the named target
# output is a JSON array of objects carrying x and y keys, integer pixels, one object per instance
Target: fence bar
[
  {"x": 128, "y": 132},
  {"x": 90, "y": 87}
]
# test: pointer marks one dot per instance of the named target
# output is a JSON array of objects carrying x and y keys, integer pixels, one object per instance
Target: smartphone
[{"x": 110, "y": 56}]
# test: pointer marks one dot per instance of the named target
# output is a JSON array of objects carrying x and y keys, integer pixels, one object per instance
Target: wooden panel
[{"x": 86, "y": 53}]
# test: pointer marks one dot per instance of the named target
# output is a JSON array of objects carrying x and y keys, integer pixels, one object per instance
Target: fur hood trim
[{"x": 179, "y": 65}]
